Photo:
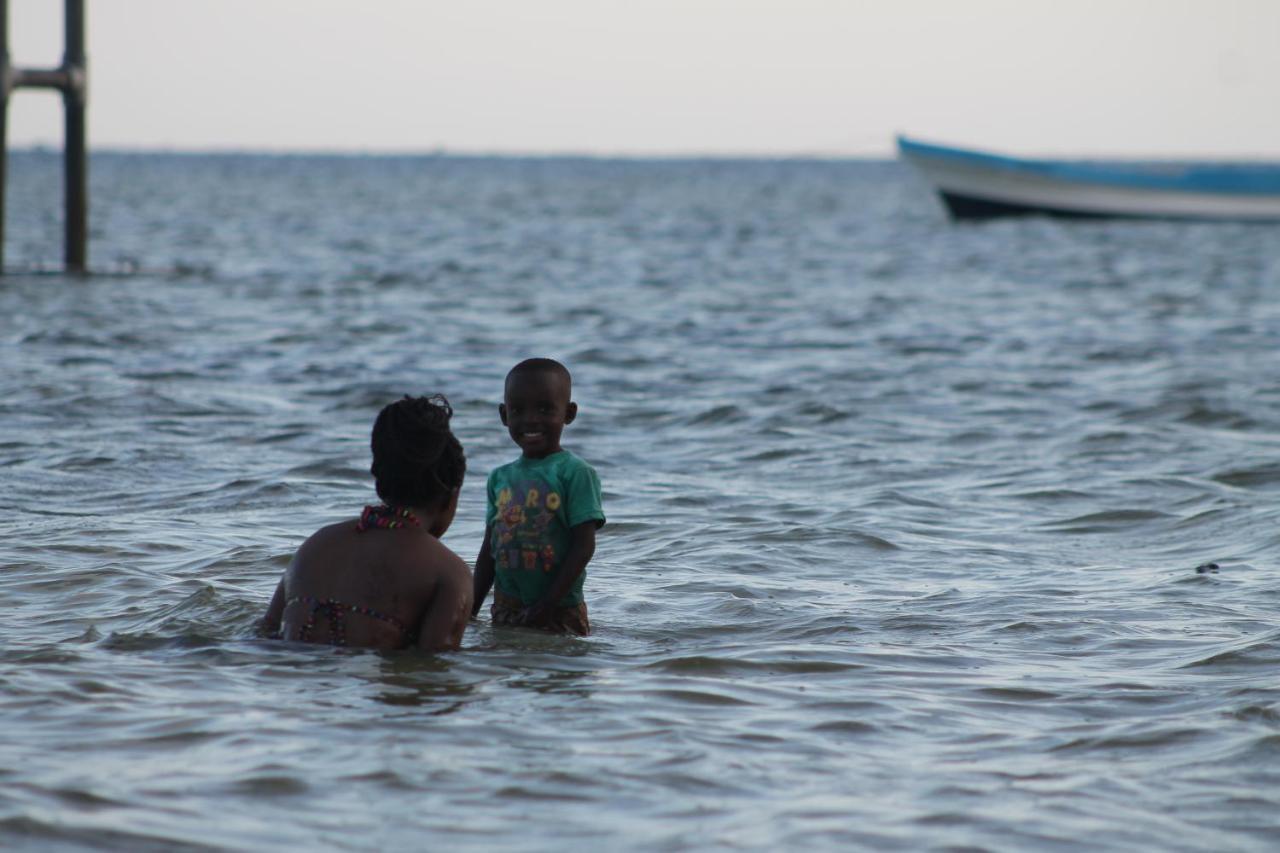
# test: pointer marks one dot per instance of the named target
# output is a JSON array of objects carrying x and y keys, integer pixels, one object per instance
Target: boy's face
[{"x": 535, "y": 409}]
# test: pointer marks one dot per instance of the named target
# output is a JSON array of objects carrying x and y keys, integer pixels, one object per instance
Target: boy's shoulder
[
  {"x": 571, "y": 459},
  {"x": 566, "y": 463}
]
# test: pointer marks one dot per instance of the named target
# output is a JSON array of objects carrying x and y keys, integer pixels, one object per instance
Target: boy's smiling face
[{"x": 535, "y": 409}]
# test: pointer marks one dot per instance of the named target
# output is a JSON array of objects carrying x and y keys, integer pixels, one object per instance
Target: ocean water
[{"x": 904, "y": 516}]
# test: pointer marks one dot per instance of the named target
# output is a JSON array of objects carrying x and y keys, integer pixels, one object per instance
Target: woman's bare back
[{"x": 378, "y": 588}]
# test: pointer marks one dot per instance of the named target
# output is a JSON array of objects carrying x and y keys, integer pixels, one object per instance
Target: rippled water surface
[{"x": 904, "y": 516}]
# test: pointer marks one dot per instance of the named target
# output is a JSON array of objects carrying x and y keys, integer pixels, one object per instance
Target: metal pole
[
  {"x": 4, "y": 115},
  {"x": 76, "y": 161},
  {"x": 71, "y": 80}
]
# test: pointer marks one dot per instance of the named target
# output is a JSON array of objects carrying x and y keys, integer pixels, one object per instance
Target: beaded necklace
[{"x": 386, "y": 517}]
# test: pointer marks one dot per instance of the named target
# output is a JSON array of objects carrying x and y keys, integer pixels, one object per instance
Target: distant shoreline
[{"x": 443, "y": 154}]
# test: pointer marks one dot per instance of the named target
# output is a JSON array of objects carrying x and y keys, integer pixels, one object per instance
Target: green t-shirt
[{"x": 533, "y": 506}]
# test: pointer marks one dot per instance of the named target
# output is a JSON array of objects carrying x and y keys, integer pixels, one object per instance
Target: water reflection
[{"x": 415, "y": 680}]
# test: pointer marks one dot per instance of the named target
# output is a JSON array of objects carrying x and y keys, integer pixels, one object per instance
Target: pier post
[
  {"x": 71, "y": 80},
  {"x": 75, "y": 156},
  {"x": 4, "y": 115}
]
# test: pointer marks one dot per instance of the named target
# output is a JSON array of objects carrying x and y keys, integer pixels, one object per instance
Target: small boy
[{"x": 542, "y": 511}]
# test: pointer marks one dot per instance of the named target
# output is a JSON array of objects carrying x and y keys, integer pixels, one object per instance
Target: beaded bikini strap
[
  {"x": 335, "y": 611},
  {"x": 385, "y": 517}
]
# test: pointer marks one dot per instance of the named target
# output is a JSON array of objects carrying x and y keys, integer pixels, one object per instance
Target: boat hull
[{"x": 975, "y": 185}]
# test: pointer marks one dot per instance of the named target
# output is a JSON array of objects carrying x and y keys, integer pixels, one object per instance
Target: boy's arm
[
  {"x": 270, "y": 625},
  {"x": 483, "y": 579},
  {"x": 581, "y": 549}
]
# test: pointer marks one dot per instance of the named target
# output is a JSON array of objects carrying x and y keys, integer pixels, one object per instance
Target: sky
[{"x": 665, "y": 77}]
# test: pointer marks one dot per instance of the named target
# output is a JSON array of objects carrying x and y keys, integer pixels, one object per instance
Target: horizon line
[{"x": 443, "y": 152}]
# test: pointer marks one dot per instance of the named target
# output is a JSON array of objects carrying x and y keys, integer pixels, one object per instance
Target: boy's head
[{"x": 537, "y": 405}]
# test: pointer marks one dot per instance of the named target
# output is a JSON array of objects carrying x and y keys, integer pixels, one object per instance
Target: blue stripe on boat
[{"x": 1226, "y": 178}]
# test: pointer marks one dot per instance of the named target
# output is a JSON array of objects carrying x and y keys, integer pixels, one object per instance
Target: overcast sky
[{"x": 783, "y": 77}]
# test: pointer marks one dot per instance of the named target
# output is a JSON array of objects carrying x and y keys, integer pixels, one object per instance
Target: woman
[{"x": 384, "y": 580}]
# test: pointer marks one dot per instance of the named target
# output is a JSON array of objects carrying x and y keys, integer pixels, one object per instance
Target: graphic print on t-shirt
[{"x": 526, "y": 510}]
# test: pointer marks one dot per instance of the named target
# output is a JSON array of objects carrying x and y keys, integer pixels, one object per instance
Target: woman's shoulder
[
  {"x": 430, "y": 553},
  {"x": 426, "y": 557},
  {"x": 320, "y": 550},
  {"x": 425, "y": 563},
  {"x": 330, "y": 533}
]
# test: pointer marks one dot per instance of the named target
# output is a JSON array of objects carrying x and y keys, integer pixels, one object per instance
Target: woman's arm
[
  {"x": 447, "y": 611},
  {"x": 483, "y": 580},
  {"x": 270, "y": 625}
]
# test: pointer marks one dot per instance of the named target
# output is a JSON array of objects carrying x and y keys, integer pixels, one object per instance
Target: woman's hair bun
[{"x": 417, "y": 460}]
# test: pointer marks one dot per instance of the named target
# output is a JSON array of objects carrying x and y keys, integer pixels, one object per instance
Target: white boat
[{"x": 979, "y": 185}]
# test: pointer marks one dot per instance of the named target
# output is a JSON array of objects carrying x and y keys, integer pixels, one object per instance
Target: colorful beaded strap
[
  {"x": 336, "y": 611},
  {"x": 385, "y": 517}
]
